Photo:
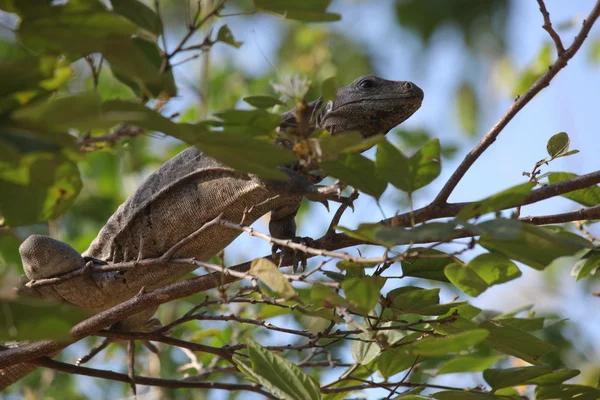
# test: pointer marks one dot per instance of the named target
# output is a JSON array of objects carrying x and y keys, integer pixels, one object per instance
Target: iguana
[{"x": 190, "y": 190}]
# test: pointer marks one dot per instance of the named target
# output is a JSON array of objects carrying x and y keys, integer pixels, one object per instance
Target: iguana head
[{"x": 371, "y": 106}]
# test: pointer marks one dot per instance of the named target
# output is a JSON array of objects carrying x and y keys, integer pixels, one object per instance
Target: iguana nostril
[{"x": 408, "y": 85}]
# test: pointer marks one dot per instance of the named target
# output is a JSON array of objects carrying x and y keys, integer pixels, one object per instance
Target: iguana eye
[{"x": 366, "y": 83}]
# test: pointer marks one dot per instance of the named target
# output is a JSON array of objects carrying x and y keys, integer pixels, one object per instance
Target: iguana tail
[{"x": 12, "y": 374}]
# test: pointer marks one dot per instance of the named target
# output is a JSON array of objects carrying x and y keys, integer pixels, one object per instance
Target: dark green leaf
[
  {"x": 536, "y": 69},
  {"x": 224, "y": 35},
  {"x": 567, "y": 392},
  {"x": 526, "y": 324},
  {"x": 536, "y": 247},
  {"x": 281, "y": 377},
  {"x": 424, "y": 233},
  {"x": 516, "y": 342},
  {"x": 465, "y": 395},
  {"x": 357, "y": 171},
  {"x": 308, "y": 10},
  {"x": 40, "y": 188},
  {"x": 467, "y": 108},
  {"x": 37, "y": 319},
  {"x": 140, "y": 14},
  {"x": 242, "y": 152},
  {"x": 269, "y": 274},
  {"x": 508, "y": 198},
  {"x": 558, "y": 145},
  {"x": 588, "y": 265},
  {"x": 494, "y": 268},
  {"x": 262, "y": 101},
  {"x": 328, "y": 89},
  {"x": 412, "y": 299},
  {"x": 80, "y": 110},
  {"x": 439, "y": 346},
  {"x": 250, "y": 122},
  {"x": 393, "y": 361},
  {"x": 468, "y": 364},
  {"x": 589, "y": 196},
  {"x": 364, "y": 351},
  {"x": 350, "y": 142},
  {"x": 555, "y": 377},
  {"x": 27, "y": 73},
  {"x": 427, "y": 268},
  {"x": 9, "y": 249},
  {"x": 326, "y": 296},
  {"x": 465, "y": 279},
  {"x": 500, "y": 378},
  {"x": 134, "y": 60},
  {"x": 363, "y": 292},
  {"x": 408, "y": 173},
  {"x": 364, "y": 232}
]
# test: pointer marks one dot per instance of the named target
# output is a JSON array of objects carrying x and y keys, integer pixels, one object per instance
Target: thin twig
[
  {"x": 560, "y": 49},
  {"x": 519, "y": 103}
]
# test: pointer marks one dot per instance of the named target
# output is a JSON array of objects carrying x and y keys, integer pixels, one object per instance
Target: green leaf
[
  {"x": 536, "y": 247},
  {"x": 326, "y": 296},
  {"x": 587, "y": 265},
  {"x": 263, "y": 101},
  {"x": 242, "y": 152},
  {"x": 364, "y": 351},
  {"x": 140, "y": 14},
  {"x": 134, "y": 113},
  {"x": 357, "y": 171},
  {"x": 408, "y": 173},
  {"x": 558, "y": 145},
  {"x": 281, "y": 377},
  {"x": 425, "y": 267},
  {"x": 134, "y": 60},
  {"x": 555, "y": 377},
  {"x": 225, "y": 36},
  {"x": 363, "y": 292},
  {"x": 250, "y": 122},
  {"x": 439, "y": 346},
  {"x": 41, "y": 187},
  {"x": 526, "y": 324},
  {"x": 501, "y": 378},
  {"x": 595, "y": 51},
  {"x": 467, "y": 108},
  {"x": 80, "y": 110},
  {"x": 424, "y": 233},
  {"x": 516, "y": 342},
  {"x": 350, "y": 142},
  {"x": 465, "y": 279},
  {"x": 307, "y": 11},
  {"x": 9, "y": 249},
  {"x": 328, "y": 89},
  {"x": 535, "y": 70},
  {"x": 494, "y": 268},
  {"x": 28, "y": 318},
  {"x": 482, "y": 272},
  {"x": 468, "y": 364},
  {"x": 393, "y": 361},
  {"x": 28, "y": 73},
  {"x": 269, "y": 274},
  {"x": 412, "y": 299},
  {"x": 589, "y": 196},
  {"x": 508, "y": 198},
  {"x": 465, "y": 395},
  {"x": 567, "y": 392}
]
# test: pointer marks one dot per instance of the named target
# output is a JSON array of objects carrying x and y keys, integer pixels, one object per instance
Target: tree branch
[
  {"x": 560, "y": 49},
  {"x": 148, "y": 381},
  {"x": 520, "y": 102}
]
